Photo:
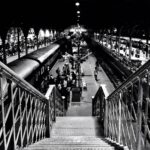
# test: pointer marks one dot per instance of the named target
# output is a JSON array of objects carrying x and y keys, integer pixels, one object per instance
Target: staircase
[{"x": 73, "y": 133}]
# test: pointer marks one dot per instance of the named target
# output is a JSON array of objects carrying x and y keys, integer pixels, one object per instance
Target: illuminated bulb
[
  {"x": 78, "y": 12},
  {"x": 77, "y": 3}
]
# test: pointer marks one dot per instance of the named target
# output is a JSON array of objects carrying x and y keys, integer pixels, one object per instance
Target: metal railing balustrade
[
  {"x": 26, "y": 115},
  {"x": 127, "y": 111}
]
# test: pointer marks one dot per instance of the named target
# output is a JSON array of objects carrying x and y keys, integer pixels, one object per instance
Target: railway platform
[{"x": 84, "y": 107}]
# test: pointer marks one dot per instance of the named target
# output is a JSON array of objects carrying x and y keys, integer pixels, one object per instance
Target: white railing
[
  {"x": 127, "y": 111},
  {"x": 26, "y": 114}
]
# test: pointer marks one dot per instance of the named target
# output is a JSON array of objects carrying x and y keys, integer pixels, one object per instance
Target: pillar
[
  {"x": 18, "y": 45},
  {"x": 147, "y": 48},
  {"x": 4, "y": 51},
  {"x": 130, "y": 47},
  {"x": 118, "y": 44},
  {"x": 25, "y": 31}
]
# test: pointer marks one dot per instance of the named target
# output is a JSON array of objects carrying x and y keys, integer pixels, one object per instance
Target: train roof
[
  {"x": 27, "y": 64},
  {"x": 42, "y": 54},
  {"x": 24, "y": 67}
]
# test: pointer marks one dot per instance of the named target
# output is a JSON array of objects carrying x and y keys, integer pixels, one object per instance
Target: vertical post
[
  {"x": 139, "y": 121},
  {"x": 102, "y": 99},
  {"x": 118, "y": 45},
  {"x": 93, "y": 106},
  {"x": 106, "y": 119},
  {"x": 37, "y": 41},
  {"x": 18, "y": 45},
  {"x": 103, "y": 39},
  {"x": 26, "y": 45},
  {"x": 130, "y": 48},
  {"x": 4, "y": 51},
  {"x": 146, "y": 110},
  {"x": 106, "y": 39},
  {"x": 64, "y": 104},
  {"x": 119, "y": 119},
  {"x": 3, "y": 110},
  {"x": 147, "y": 48},
  {"x": 54, "y": 102}
]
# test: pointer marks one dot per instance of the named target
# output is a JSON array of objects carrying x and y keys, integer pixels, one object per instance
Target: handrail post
[
  {"x": 147, "y": 109},
  {"x": 64, "y": 104},
  {"x": 93, "y": 106},
  {"x": 119, "y": 119},
  {"x": 106, "y": 119},
  {"x": 139, "y": 122},
  {"x": 48, "y": 112},
  {"x": 3, "y": 110},
  {"x": 54, "y": 102},
  {"x": 101, "y": 103}
]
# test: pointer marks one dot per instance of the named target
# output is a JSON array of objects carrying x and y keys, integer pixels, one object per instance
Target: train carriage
[{"x": 35, "y": 66}]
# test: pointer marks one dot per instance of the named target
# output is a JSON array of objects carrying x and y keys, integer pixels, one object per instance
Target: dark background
[{"x": 60, "y": 14}]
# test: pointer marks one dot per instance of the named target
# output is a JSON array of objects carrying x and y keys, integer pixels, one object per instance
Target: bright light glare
[
  {"x": 47, "y": 33},
  {"x": 77, "y": 3},
  {"x": 78, "y": 12}
]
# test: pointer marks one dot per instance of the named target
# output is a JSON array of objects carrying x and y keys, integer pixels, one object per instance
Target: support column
[
  {"x": 18, "y": 45},
  {"x": 4, "y": 51},
  {"x": 147, "y": 48},
  {"x": 111, "y": 42},
  {"x": 26, "y": 45},
  {"x": 130, "y": 48},
  {"x": 103, "y": 39},
  {"x": 118, "y": 41},
  {"x": 37, "y": 41}
]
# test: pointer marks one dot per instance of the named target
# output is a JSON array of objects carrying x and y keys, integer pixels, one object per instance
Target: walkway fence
[
  {"x": 126, "y": 112},
  {"x": 26, "y": 115}
]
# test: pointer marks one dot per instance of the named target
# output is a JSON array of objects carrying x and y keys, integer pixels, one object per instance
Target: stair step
[
  {"x": 71, "y": 143},
  {"x": 73, "y": 140},
  {"x": 73, "y": 133},
  {"x": 71, "y": 148}
]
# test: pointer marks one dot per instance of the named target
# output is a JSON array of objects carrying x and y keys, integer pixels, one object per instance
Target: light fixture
[
  {"x": 78, "y": 12},
  {"x": 77, "y": 4},
  {"x": 78, "y": 16}
]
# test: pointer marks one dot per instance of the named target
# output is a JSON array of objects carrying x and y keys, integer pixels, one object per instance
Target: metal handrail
[
  {"x": 27, "y": 115},
  {"x": 132, "y": 104},
  {"x": 126, "y": 110},
  {"x": 131, "y": 78}
]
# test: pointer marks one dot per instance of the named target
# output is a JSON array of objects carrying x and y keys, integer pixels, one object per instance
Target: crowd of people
[{"x": 65, "y": 80}]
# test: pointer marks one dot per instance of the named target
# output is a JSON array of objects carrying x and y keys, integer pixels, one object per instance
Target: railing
[
  {"x": 98, "y": 102},
  {"x": 127, "y": 111},
  {"x": 26, "y": 115},
  {"x": 57, "y": 102}
]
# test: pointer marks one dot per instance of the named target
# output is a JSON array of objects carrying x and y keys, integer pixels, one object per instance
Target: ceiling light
[
  {"x": 77, "y": 3},
  {"x": 78, "y": 12}
]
